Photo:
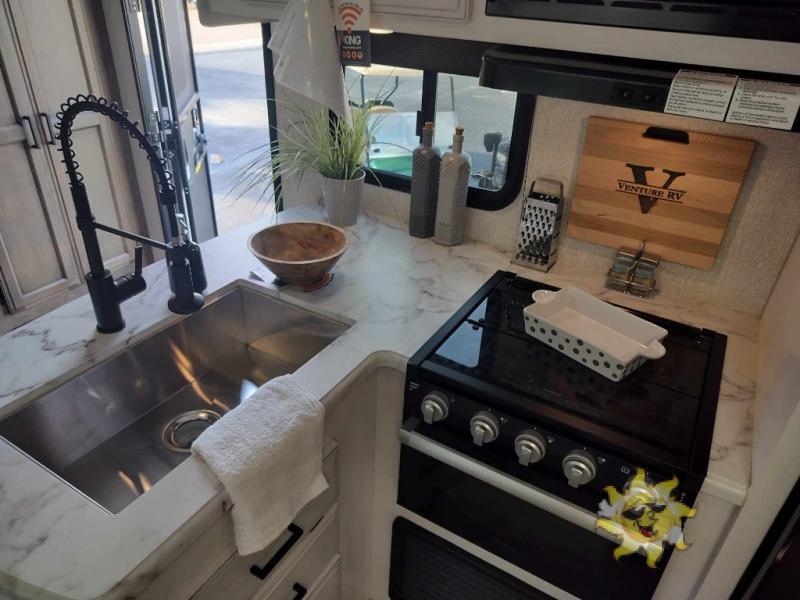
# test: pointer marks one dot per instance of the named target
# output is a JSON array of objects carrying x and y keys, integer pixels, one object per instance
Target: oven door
[{"x": 548, "y": 537}]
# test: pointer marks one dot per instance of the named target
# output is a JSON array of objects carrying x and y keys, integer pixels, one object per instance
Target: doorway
[
  {"x": 203, "y": 95},
  {"x": 229, "y": 63}
]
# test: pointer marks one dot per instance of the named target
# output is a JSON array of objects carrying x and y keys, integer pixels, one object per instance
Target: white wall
[
  {"x": 776, "y": 451},
  {"x": 761, "y": 231},
  {"x": 778, "y": 386}
]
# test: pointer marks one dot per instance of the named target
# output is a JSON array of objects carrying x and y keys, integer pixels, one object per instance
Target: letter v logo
[{"x": 648, "y": 194}]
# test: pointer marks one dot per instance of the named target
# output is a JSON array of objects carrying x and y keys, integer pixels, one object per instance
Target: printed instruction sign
[
  {"x": 700, "y": 94},
  {"x": 352, "y": 32},
  {"x": 764, "y": 103}
]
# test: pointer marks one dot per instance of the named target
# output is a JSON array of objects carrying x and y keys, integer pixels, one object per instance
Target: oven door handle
[{"x": 527, "y": 493}]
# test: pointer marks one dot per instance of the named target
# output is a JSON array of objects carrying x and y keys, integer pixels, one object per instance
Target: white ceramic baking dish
[{"x": 600, "y": 336}]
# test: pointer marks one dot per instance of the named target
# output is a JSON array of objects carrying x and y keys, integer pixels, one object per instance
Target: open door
[{"x": 162, "y": 51}]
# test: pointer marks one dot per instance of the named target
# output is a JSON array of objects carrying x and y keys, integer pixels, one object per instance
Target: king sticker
[{"x": 643, "y": 517}]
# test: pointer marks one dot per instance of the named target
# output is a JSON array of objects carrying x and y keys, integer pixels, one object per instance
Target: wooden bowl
[{"x": 300, "y": 254}]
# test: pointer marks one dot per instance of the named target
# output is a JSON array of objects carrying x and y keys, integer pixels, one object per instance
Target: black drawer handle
[
  {"x": 263, "y": 572},
  {"x": 301, "y": 591}
]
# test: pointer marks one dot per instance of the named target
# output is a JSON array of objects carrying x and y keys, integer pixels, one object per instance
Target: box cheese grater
[{"x": 540, "y": 225}]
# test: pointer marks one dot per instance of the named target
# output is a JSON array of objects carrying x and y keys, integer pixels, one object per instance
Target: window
[
  {"x": 487, "y": 117},
  {"x": 437, "y": 80},
  {"x": 393, "y": 95}
]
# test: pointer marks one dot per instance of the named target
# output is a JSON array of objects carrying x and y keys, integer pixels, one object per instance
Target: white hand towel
[{"x": 267, "y": 452}]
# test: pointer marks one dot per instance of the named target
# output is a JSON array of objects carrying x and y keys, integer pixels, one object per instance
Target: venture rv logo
[{"x": 650, "y": 194}]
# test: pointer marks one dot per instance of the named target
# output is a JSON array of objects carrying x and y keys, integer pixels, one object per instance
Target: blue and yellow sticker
[{"x": 643, "y": 517}]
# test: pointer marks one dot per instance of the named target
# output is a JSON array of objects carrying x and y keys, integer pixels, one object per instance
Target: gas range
[
  {"x": 511, "y": 446},
  {"x": 485, "y": 388}
]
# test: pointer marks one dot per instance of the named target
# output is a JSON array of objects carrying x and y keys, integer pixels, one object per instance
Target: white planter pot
[{"x": 342, "y": 199}]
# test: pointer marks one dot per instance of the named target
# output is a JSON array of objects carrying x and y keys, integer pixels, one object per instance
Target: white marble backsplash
[
  {"x": 761, "y": 230},
  {"x": 397, "y": 290}
]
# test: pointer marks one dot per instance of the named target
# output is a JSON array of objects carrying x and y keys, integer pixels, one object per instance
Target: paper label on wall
[
  {"x": 352, "y": 32},
  {"x": 700, "y": 94},
  {"x": 764, "y": 103}
]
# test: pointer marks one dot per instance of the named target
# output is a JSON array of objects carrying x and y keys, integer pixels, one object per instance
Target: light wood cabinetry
[
  {"x": 62, "y": 62},
  {"x": 36, "y": 255},
  {"x": 51, "y": 50},
  {"x": 330, "y": 584},
  {"x": 210, "y": 568},
  {"x": 308, "y": 570}
]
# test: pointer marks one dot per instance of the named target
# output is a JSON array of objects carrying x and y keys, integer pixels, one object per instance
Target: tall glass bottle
[
  {"x": 451, "y": 207},
  {"x": 424, "y": 185}
]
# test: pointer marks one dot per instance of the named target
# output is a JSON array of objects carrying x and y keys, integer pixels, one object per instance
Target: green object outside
[{"x": 400, "y": 165}]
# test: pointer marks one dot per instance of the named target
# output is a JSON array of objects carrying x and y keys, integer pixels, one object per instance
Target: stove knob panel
[
  {"x": 530, "y": 447},
  {"x": 435, "y": 407},
  {"x": 580, "y": 468},
  {"x": 484, "y": 427}
]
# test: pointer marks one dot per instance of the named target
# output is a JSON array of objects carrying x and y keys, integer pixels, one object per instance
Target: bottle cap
[
  {"x": 428, "y": 124},
  {"x": 459, "y": 131}
]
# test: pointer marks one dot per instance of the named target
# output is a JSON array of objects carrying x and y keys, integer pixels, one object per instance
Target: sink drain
[{"x": 181, "y": 431}]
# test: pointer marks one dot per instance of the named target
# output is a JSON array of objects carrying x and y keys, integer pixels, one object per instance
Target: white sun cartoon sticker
[{"x": 643, "y": 517}]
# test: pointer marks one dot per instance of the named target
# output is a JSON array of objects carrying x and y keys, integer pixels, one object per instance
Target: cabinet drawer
[
  {"x": 234, "y": 581},
  {"x": 299, "y": 577},
  {"x": 448, "y": 10},
  {"x": 215, "y": 548},
  {"x": 329, "y": 586}
]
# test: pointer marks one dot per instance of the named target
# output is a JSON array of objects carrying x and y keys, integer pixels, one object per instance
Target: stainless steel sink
[{"x": 115, "y": 430}]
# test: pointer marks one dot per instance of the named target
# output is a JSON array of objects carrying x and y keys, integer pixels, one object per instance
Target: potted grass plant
[{"x": 315, "y": 140}]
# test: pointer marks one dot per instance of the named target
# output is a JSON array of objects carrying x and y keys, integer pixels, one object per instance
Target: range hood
[
  {"x": 777, "y": 20},
  {"x": 625, "y": 82}
]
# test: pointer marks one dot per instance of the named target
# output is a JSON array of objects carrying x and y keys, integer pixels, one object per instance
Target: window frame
[{"x": 457, "y": 57}]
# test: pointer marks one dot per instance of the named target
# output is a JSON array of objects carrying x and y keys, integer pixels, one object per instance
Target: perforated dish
[{"x": 602, "y": 337}]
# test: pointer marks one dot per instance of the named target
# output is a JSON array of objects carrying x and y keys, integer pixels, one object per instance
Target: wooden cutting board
[{"x": 674, "y": 190}]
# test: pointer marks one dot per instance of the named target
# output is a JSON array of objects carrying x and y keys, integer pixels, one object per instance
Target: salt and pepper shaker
[
  {"x": 452, "y": 199},
  {"x": 424, "y": 185}
]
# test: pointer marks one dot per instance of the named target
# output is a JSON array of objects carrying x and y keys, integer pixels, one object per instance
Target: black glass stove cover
[{"x": 665, "y": 409}]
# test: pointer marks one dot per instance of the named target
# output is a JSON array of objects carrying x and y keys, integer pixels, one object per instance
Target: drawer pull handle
[
  {"x": 30, "y": 134},
  {"x": 47, "y": 125},
  {"x": 262, "y": 572},
  {"x": 300, "y": 591}
]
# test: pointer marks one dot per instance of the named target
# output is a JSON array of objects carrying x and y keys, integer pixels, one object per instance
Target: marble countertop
[{"x": 395, "y": 289}]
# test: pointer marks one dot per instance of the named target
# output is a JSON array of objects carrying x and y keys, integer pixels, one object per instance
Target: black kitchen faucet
[{"x": 184, "y": 262}]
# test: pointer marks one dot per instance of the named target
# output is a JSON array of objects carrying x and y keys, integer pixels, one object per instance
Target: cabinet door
[
  {"x": 62, "y": 61},
  {"x": 217, "y": 11},
  {"x": 450, "y": 10},
  {"x": 37, "y": 260}
]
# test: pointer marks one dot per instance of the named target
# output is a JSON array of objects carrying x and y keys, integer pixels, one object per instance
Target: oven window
[{"x": 572, "y": 559}]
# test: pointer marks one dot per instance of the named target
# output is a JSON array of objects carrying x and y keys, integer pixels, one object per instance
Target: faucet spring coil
[{"x": 91, "y": 103}]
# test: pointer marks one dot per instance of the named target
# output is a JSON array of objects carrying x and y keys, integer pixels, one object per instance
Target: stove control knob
[
  {"x": 530, "y": 446},
  {"x": 579, "y": 468},
  {"x": 435, "y": 407},
  {"x": 484, "y": 427}
]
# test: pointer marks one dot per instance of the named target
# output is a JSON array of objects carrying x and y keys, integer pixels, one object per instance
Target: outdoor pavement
[{"x": 230, "y": 73}]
